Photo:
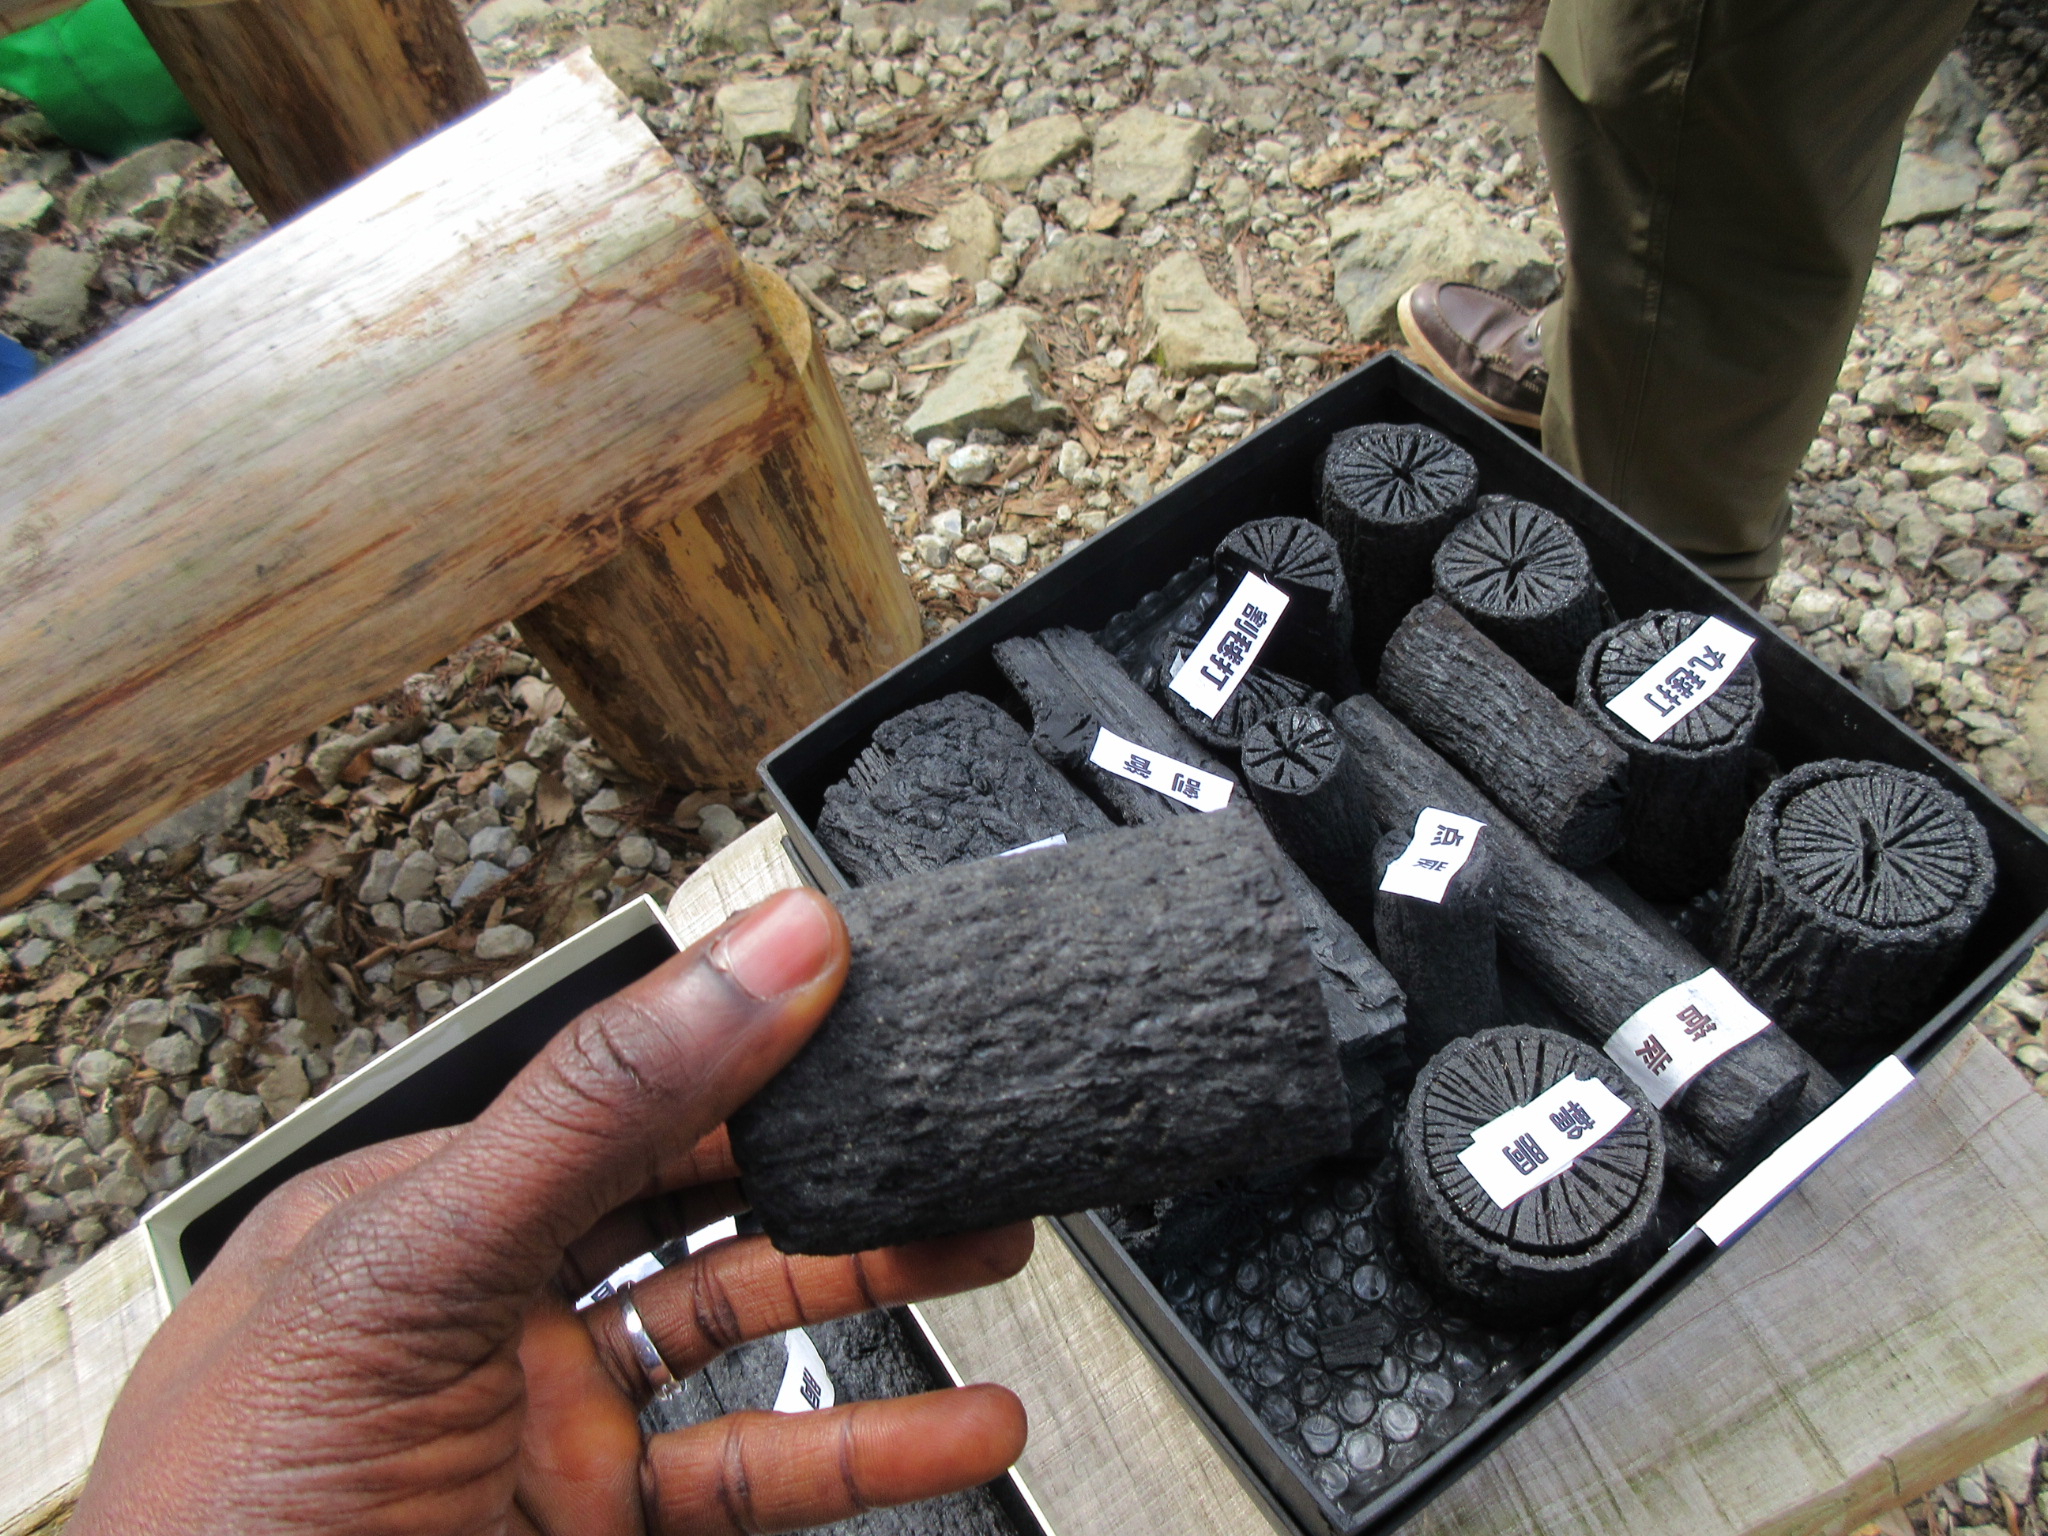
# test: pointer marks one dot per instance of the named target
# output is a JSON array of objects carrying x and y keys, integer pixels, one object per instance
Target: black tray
[{"x": 1809, "y": 713}]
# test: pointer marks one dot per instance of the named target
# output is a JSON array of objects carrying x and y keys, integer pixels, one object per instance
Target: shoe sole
[{"x": 1440, "y": 369}]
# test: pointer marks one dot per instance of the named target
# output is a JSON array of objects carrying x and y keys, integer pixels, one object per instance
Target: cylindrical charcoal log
[
  {"x": 1524, "y": 579},
  {"x": 1148, "y": 638},
  {"x": 1561, "y": 780},
  {"x": 1550, "y": 1250},
  {"x": 1597, "y": 964},
  {"x": 1687, "y": 790},
  {"x": 1441, "y": 952},
  {"x": 1853, "y": 888},
  {"x": 1301, "y": 774},
  {"x": 1260, "y": 694},
  {"x": 1388, "y": 494},
  {"x": 1313, "y": 639},
  {"x": 948, "y": 781},
  {"x": 1130, "y": 1017}
]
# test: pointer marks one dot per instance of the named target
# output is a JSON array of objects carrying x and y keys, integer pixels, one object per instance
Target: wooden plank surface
[{"x": 415, "y": 410}]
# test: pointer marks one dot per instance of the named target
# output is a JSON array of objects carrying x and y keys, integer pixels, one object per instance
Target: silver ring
[{"x": 656, "y": 1369}]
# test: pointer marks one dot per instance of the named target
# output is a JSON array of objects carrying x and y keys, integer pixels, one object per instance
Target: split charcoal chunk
[
  {"x": 1563, "y": 782},
  {"x": 1149, "y": 637},
  {"x": 1688, "y": 790},
  {"x": 1442, "y": 953},
  {"x": 1524, "y": 579},
  {"x": 1388, "y": 494},
  {"x": 1598, "y": 965},
  {"x": 1259, "y": 694},
  {"x": 1302, "y": 776},
  {"x": 1854, "y": 886},
  {"x": 1549, "y": 1250},
  {"x": 1363, "y": 1341},
  {"x": 1314, "y": 636},
  {"x": 1133, "y": 1016},
  {"x": 942, "y": 783}
]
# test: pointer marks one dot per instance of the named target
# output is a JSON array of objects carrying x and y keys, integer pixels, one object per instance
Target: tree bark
[{"x": 1525, "y": 581}]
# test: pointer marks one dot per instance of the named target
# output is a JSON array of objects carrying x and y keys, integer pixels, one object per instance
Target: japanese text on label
[
  {"x": 1533, "y": 1143},
  {"x": 1438, "y": 850},
  {"x": 805, "y": 1386},
  {"x": 1683, "y": 679},
  {"x": 1232, "y": 644},
  {"x": 1681, "y": 1032},
  {"x": 1177, "y": 781}
]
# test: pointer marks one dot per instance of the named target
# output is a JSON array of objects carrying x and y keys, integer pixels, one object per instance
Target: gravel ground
[{"x": 1060, "y": 255}]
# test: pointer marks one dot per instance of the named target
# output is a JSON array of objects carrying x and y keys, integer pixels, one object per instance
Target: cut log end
[
  {"x": 1261, "y": 694},
  {"x": 1525, "y": 580},
  {"x": 1392, "y": 476}
]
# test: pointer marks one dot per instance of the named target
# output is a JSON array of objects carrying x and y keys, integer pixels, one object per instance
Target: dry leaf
[
  {"x": 469, "y": 783},
  {"x": 1105, "y": 216},
  {"x": 287, "y": 887},
  {"x": 64, "y": 988},
  {"x": 270, "y": 837},
  {"x": 324, "y": 1022},
  {"x": 15, "y": 1034},
  {"x": 553, "y": 805}
]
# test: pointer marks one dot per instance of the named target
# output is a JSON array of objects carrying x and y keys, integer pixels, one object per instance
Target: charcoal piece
[
  {"x": 1368, "y": 1014},
  {"x": 1545, "y": 1253},
  {"x": 1853, "y": 888},
  {"x": 1562, "y": 781},
  {"x": 1300, "y": 772},
  {"x": 1363, "y": 1341},
  {"x": 1148, "y": 637},
  {"x": 1371, "y": 1107},
  {"x": 1313, "y": 639},
  {"x": 1525, "y": 581},
  {"x": 1260, "y": 693},
  {"x": 1129, "y": 1017},
  {"x": 1388, "y": 495},
  {"x": 1598, "y": 965},
  {"x": 1442, "y": 953},
  {"x": 948, "y": 781},
  {"x": 1689, "y": 789}
]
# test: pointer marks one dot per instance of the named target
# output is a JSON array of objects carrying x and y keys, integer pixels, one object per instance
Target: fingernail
[{"x": 785, "y": 942}]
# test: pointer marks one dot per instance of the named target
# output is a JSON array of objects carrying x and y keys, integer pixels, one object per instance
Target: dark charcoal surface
[
  {"x": 1131, "y": 1016},
  {"x": 1853, "y": 887},
  {"x": 1261, "y": 693},
  {"x": 1563, "y": 782},
  {"x": 1550, "y": 1250},
  {"x": 867, "y": 1357},
  {"x": 1525, "y": 581},
  {"x": 948, "y": 781},
  {"x": 1688, "y": 791},
  {"x": 1388, "y": 495},
  {"x": 1301, "y": 773},
  {"x": 1313, "y": 640},
  {"x": 1161, "y": 626},
  {"x": 1442, "y": 953}
]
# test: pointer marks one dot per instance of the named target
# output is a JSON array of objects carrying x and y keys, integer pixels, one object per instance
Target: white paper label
[
  {"x": 717, "y": 1232},
  {"x": 1057, "y": 840},
  {"x": 1679, "y": 1033},
  {"x": 1532, "y": 1144},
  {"x": 1438, "y": 850},
  {"x": 805, "y": 1386},
  {"x": 1232, "y": 644},
  {"x": 1176, "y": 781},
  {"x": 1684, "y": 679},
  {"x": 615, "y": 1282}
]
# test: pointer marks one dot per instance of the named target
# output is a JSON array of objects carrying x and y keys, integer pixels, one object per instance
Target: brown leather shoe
[{"x": 1486, "y": 348}]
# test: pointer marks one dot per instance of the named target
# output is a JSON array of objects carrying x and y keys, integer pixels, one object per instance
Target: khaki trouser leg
[{"x": 1721, "y": 167}]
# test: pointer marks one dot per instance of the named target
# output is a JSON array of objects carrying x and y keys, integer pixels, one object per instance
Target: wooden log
[
  {"x": 1562, "y": 781},
  {"x": 1300, "y": 773},
  {"x": 1149, "y": 638},
  {"x": 1524, "y": 579},
  {"x": 1442, "y": 952},
  {"x": 1259, "y": 695},
  {"x": 531, "y": 341},
  {"x": 1314, "y": 637},
  {"x": 1598, "y": 966},
  {"x": 1853, "y": 888},
  {"x": 305, "y": 96},
  {"x": 1555, "y": 1249},
  {"x": 739, "y": 618},
  {"x": 1389, "y": 494},
  {"x": 1126, "y": 1018},
  {"x": 1689, "y": 790}
]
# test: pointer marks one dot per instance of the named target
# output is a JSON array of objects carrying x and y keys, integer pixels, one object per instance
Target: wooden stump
[{"x": 707, "y": 642}]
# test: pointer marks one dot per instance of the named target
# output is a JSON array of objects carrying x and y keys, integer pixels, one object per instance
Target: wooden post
[
  {"x": 304, "y": 96},
  {"x": 708, "y": 641}
]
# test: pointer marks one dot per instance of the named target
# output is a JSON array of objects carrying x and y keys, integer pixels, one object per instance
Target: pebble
[
  {"x": 503, "y": 942},
  {"x": 719, "y": 826},
  {"x": 97, "y": 1071},
  {"x": 234, "y": 1114}
]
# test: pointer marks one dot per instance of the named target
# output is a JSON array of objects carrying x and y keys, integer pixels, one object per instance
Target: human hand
[{"x": 387, "y": 1343}]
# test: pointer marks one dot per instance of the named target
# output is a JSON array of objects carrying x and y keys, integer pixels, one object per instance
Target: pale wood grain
[
  {"x": 415, "y": 410},
  {"x": 751, "y": 868}
]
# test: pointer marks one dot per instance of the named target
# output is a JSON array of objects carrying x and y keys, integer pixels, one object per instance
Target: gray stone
[
  {"x": 199, "y": 1020},
  {"x": 1380, "y": 252},
  {"x": 635, "y": 852},
  {"x": 1962, "y": 565},
  {"x": 194, "y": 1110},
  {"x": 131, "y": 183},
  {"x": 1924, "y": 187},
  {"x": 449, "y": 846},
  {"x": 175, "y": 1055},
  {"x": 234, "y": 1114},
  {"x": 1193, "y": 329},
  {"x": 1949, "y": 113},
  {"x": 96, "y": 1071},
  {"x": 1917, "y": 536},
  {"x": 876, "y": 381},
  {"x": 284, "y": 1087},
  {"x": 1025, "y": 153},
  {"x": 1023, "y": 223},
  {"x": 54, "y": 920},
  {"x": 596, "y": 812},
  {"x": 764, "y": 112},
  {"x": 626, "y": 55},
  {"x": 440, "y": 742},
  {"x": 34, "y": 1107},
  {"x": 521, "y": 782},
  {"x": 77, "y": 885},
  {"x": 121, "y": 1191},
  {"x": 503, "y": 942},
  {"x": 966, "y": 236},
  {"x": 476, "y": 746},
  {"x": 733, "y": 26},
  {"x": 1010, "y": 548},
  {"x": 495, "y": 18},
  {"x": 25, "y": 207},
  {"x": 54, "y": 291},
  {"x": 493, "y": 843},
  {"x": 415, "y": 878},
  {"x": 1887, "y": 682},
  {"x": 997, "y": 383},
  {"x": 973, "y": 464},
  {"x": 1078, "y": 265},
  {"x": 20, "y": 1246},
  {"x": 719, "y": 826},
  {"x": 746, "y": 203},
  {"x": 1956, "y": 494},
  {"x": 2003, "y": 772},
  {"x": 422, "y": 918},
  {"x": 136, "y": 1025},
  {"x": 353, "y": 1050},
  {"x": 483, "y": 875},
  {"x": 32, "y": 955},
  {"x": 378, "y": 876},
  {"x": 1148, "y": 159},
  {"x": 204, "y": 818},
  {"x": 1814, "y": 608},
  {"x": 2012, "y": 1470},
  {"x": 401, "y": 762}
]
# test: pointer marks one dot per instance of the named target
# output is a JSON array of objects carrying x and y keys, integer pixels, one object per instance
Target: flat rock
[
  {"x": 732, "y": 26},
  {"x": 747, "y": 204},
  {"x": 998, "y": 381},
  {"x": 1148, "y": 159},
  {"x": 1080, "y": 264},
  {"x": 1926, "y": 187},
  {"x": 626, "y": 55},
  {"x": 1027, "y": 152},
  {"x": 25, "y": 206},
  {"x": 764, "y": 112},
  {"x": 497, "y": 17},
  {"x": 54, "y": 290},
  {"x": 1194, "y": 329},
  {"x": 1380, "y": 252},
  {"x": 965, "y": 235}
]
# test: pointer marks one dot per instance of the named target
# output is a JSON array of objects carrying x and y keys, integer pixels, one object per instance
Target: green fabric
[
  {"x": 1721, "y": 167},
  {"x": 92, "y": 73}
]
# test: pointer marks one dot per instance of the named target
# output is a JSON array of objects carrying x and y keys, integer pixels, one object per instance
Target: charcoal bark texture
[
  {"x": 949, "y": 781},
  {"x": 1129, "y": 1017},
  {"x": 1854, "y": 887},
  {"x": 1442, "y": 953},
  {"x": 1150, "y": 636},
  {"x": 1388, "y": 494},
  {"x": 1525, "y": 581},
  {"x": 1542, "y": 1255},
  {"x": 1313, "y": 638},
  {"x": 1598, "y": 965},
  {"x": 1689, "y": 790},
  {"x": 1300, "y": 773},
  {"x": 1559, "y": 778},
  {"x": 1259, "y": 694}
]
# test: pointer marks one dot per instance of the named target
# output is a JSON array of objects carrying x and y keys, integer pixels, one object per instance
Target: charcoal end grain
[{"x": 1525, "y": 580}]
